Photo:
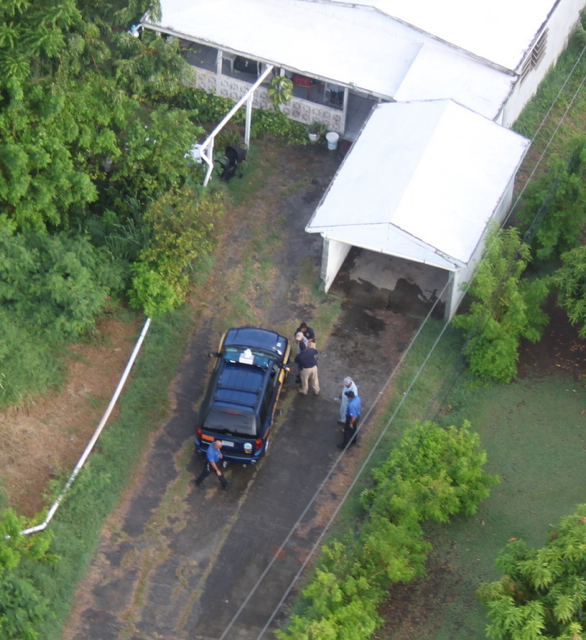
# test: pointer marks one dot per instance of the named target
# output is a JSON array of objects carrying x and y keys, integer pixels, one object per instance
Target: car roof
[
  {"x": 257, "y": 338},
  {"x": 239, "y": 385}
]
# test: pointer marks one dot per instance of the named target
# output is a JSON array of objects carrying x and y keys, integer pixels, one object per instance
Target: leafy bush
[
  {"x": 51, "y": 289},
  {"x": 205, "y": 107},
  {"x": 431, "y": 474},
  {"x": 181, "y": 224},
  {"x": 57, "y": 283},
  {"x": 21, "y": 604},
  {"x": 426, "y": 489},
  {"x": 571, "y": 282},
  {"x": 558, "y": 201},
  {"x": 280, "y": 91},
  {"x": 504, "y": 309},
  {"x": 151, "y": 292},
  {"x": 279, "y": 125},
  {"x": 543, "y": 591}
]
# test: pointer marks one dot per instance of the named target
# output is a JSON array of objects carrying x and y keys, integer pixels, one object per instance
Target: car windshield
[
  {"x": 245, "y": 355},
  {"x": 225, "y": 420}
]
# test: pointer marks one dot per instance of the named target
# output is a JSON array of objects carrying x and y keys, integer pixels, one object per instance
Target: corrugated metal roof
[{"x": 429, "y": 172}]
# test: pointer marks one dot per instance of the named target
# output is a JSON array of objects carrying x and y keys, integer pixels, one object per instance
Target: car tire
[{"x": 267, "y": 445}]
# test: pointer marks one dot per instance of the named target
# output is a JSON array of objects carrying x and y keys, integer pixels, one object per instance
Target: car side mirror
[{"x": 214, "y": 354}]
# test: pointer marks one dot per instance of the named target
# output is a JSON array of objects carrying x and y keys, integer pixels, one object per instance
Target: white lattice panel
[{"x": 297, "y": 109}]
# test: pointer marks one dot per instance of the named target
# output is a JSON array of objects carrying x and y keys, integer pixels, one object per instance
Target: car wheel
[{"x": 267, "y": 444}]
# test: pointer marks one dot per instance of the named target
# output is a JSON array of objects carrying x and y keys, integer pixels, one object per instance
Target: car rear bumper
[{"x": 232, "y": 457}]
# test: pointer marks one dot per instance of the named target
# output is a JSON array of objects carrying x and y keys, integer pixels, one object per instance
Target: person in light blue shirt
[
  {"x": 213, "y": 457},
  {"x": 349, "y": 385},
  {"x": 352, "y": 416}
]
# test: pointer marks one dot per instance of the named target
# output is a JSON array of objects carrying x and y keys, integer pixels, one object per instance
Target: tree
[
  {"x": 76, "y": 93},
  {"x": 558, "y": 201},
  {"x": 571, "y": 282},
  {"x": 542, "y": 593},
  {"x": 504, "y": 308}
]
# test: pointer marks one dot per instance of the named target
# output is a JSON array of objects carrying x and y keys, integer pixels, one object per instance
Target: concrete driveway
[{"x": 175, "y": 562}]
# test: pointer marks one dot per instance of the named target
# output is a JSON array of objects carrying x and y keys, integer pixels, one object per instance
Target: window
[{"x": 535, "y": 56}]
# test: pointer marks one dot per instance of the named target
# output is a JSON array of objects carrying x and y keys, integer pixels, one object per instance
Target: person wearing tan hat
[{"x": 349, "y": 385}]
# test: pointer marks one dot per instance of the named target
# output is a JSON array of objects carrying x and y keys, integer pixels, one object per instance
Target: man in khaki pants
[{"x": 308, "y": 369}]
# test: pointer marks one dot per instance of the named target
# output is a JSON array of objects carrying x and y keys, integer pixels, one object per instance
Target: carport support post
[{"x": 248, "y": 120}]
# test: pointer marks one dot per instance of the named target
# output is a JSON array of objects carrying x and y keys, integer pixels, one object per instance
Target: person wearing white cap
[
  {"x": 301, "y": 341},
  {"x": 349, "y": 385}
]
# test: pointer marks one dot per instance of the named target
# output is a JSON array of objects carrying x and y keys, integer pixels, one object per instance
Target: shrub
[
  {"x": 21, "y": 604},
  {"x": 432, "y": 473},
  {"x": 504, "y": 309},
  {"x": 151, "y": 292},
  {"x": 571, "y": 282},
  {"x": 279, "y": 125},
  {"x": 181, "y": 224},
  {"x": 543, "y": 591},
  {"x": 58, "y": 283},
  {"x": 558, "y": 201}
]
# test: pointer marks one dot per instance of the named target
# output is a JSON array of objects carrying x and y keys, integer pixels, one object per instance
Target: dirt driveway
[{"x": 175, "y": 562}]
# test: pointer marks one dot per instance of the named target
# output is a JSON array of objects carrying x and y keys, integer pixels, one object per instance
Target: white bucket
[{"x": 332, "y": 137}]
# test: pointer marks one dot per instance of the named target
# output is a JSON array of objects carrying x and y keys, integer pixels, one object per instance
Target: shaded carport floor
[
  {"x": 175, "y": 562},
  {"x": 382, "y": 281}
]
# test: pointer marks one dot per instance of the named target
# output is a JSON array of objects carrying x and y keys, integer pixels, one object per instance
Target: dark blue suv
[{"x": 240, "y": 401}]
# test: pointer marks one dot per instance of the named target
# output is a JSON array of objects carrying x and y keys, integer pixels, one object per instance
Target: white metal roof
[
  {"x": 346, "y": 45},
  {"x": 425, "y": 174},
  {"x": 438, "y": 74},
  {"x": 498, "y": 30}
]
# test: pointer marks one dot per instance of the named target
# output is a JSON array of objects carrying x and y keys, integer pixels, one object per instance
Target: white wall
[
  {"x": 560, "y": 26},
  {"x": 333, "y": 255},
  {"x": 466, "y": 274}
]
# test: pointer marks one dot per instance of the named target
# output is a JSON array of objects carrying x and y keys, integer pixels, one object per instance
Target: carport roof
[
  {"x": 423, "y": 178},
  {"x": 353, "y": 46}
]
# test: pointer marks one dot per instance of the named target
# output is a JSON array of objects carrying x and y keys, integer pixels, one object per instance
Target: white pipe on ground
[{"x": 92, "y": 442}]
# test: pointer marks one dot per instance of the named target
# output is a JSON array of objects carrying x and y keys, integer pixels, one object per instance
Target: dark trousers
[
  {"x": 207, "y": 469},
  {"x": 350, "y": 432}
]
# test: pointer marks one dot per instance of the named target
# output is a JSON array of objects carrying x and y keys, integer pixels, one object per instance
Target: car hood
[{"x": 259, "y": 338}]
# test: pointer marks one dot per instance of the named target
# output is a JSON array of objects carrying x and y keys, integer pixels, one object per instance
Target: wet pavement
[{"x": 177, "y": 563}]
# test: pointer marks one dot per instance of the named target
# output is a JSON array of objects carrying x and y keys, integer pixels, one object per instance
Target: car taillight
[
  {"x": 258, "y": 443},
  {"x": 198, "y": 434}
]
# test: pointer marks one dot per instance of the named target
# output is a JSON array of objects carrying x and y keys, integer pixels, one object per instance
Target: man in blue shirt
[
  {"x": 306, "y": 360},
  {"x": 308, "y": 332},
  {"x": 352, "y": 416},
  {"x": 213, "y": 456}
]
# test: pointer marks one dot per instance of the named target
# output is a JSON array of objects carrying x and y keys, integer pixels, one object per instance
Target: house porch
[{"x": 230, "y": 76}]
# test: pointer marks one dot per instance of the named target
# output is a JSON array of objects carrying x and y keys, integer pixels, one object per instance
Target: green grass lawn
[{"x": 534, "y": 432}]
